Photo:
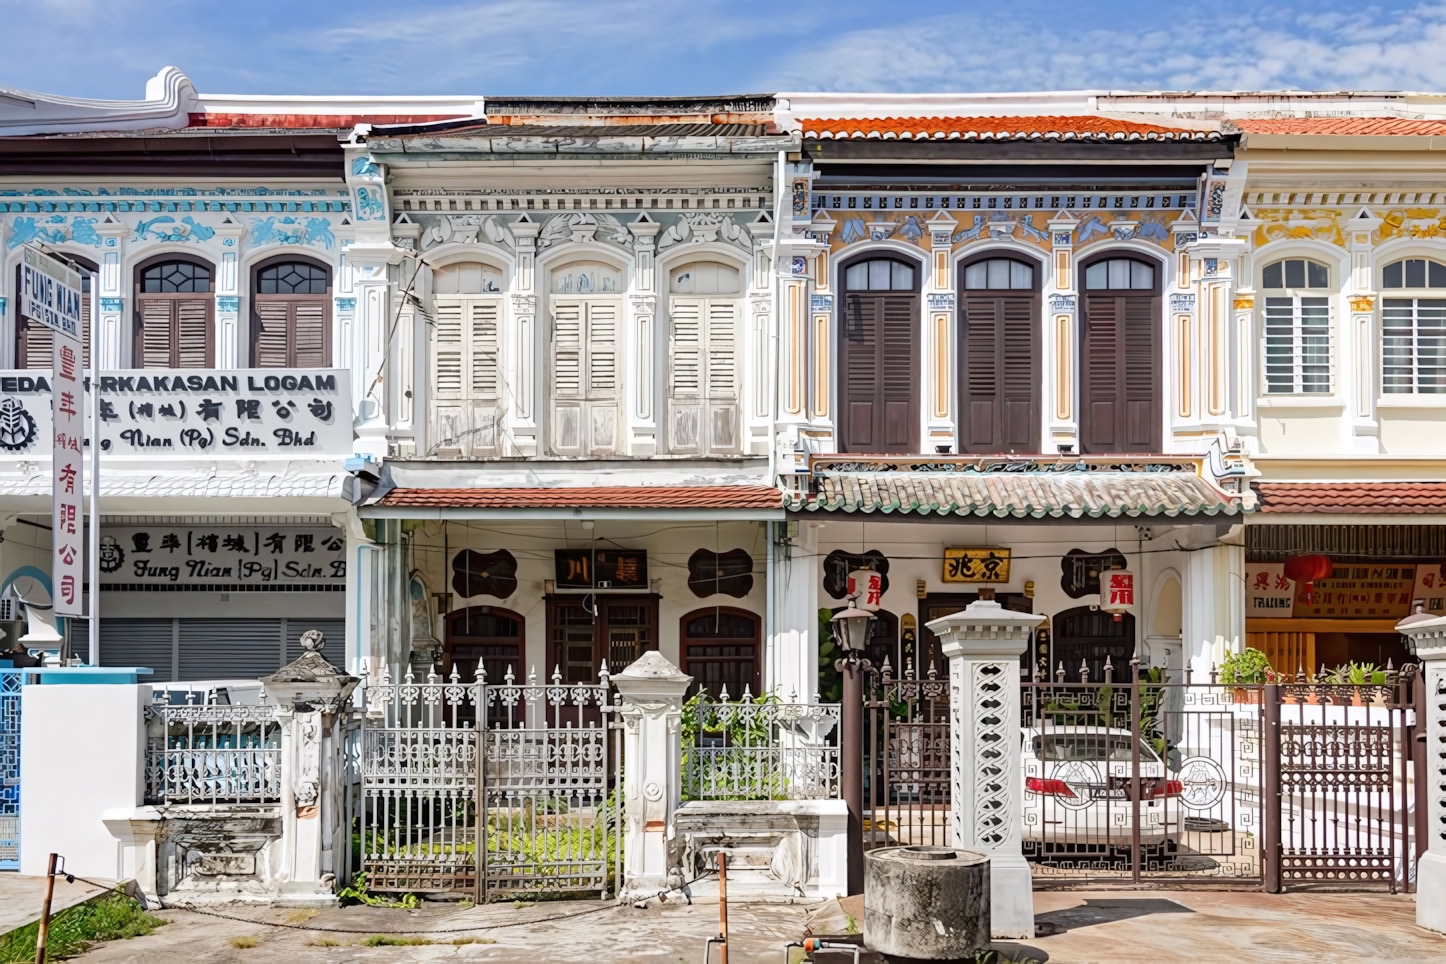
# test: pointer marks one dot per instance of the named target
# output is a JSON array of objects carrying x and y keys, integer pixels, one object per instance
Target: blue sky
[{"x": 107, "y": 48}]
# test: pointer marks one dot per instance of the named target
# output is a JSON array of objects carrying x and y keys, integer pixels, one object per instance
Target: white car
[{"x": 1077, "y": 782}]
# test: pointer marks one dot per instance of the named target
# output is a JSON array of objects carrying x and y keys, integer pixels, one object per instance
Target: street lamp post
[{"x": 851, "y": 630}]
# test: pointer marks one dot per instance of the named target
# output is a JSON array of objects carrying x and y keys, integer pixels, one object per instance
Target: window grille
[
  {"x": 1413, "y": 346},
  {"x": 1298, "y": 346}
]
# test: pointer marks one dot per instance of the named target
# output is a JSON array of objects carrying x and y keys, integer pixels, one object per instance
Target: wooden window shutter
[
  {"x": 861, "y": 370},
  {"x": 602, "y": 350},
  {"x": 687, "y": 347},
  {"x": 272, "y": 318},
  {"x": 192, "y": 334},
  {"x": 1020, "y": 388},
  {"x": 447, "y": 351},
  {"x": 722, "y": 349},
  {"x": 1140, "y": 373},
  {"x": 1120, "y": 379},
  {"x": 155, "y": 334},
  {"x": 567, "y": 349},
  {"x": 1101, "y": 376},
  {"x": 482, "y": 340},
  {"x": 900, "y": 368},
  {"x": 981, "y": 374},
  {"x": 1001, "y": 375},
  {"x": 34, "y": 342},
  {"x": 309, "y": 332}
]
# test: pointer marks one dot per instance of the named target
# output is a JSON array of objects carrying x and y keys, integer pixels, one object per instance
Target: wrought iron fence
[
  {"x": 11, "y": 680},
  {"x": 548, "y": 815},
  {"x": 907, "y": 781},
  {"x": 759, "y": 749},
  {"x": 212, "y": 754}
]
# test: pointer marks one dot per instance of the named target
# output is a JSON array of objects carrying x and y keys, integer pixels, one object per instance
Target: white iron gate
[{"x": 549, "y": 820}]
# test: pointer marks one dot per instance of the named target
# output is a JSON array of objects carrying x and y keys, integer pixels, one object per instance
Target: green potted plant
[{"x": 1246, "y": 671}]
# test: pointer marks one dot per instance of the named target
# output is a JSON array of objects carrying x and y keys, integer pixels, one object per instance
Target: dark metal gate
[
  {"x": 906, "y": 759},
  {"x": 1342, "y": 770},
  {"x": 542, "y": 801}
]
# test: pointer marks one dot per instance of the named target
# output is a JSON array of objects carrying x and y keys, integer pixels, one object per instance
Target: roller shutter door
[
  {"x": 229, "y": 648},
  {"x": 130, "y": 642},
  {"x": 333, "y": 629}
]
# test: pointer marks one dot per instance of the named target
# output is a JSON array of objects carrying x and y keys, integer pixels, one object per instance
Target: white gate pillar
[
  {"x": 983, "y": 644},
  {"x": 652, "y": 690},
  {"x": 1426, "y": 637}
]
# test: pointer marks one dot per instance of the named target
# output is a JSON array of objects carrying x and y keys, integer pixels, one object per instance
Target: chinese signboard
[
  {"x": 976, "y": 565},
  {"x": 67, "y": 458},
  {"x": 601, "y": 568},
  {"x": 867, "y": 589},
  {"x": 237, "y": 414},
  {"x": 1268, "y": 594},
  {"x": 1431, "y": 587},
  {"x": 1372, "y": 591},
  {"x": 50, "y": 292},
  {"x": 190, "y": 555}
]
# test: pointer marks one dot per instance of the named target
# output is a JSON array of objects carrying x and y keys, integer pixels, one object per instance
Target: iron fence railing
[
  {"x": 759, "y": 749},
  {"x": 212, "y": 754}
]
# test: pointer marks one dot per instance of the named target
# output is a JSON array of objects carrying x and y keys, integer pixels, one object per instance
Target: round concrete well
[{"x": 930, "y": 903}]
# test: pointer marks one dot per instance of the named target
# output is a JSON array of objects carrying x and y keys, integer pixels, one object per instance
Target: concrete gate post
[
  {"x": 652, "y": 690},
  {"x": 983, "y": 644},
  {"x": 1426, "y": 637}
]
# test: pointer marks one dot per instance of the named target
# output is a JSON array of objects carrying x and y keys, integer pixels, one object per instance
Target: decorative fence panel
[
  {"x": 212, "y": 754},
  {"x": 542, "y": 801},
  {"x": 759, "y": 749},
  {"x": 906, "y": 760},
  {"x": 10, "y": 682}
]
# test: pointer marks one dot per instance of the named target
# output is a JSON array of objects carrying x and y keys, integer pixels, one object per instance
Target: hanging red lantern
[{"x": 1307, "y": 569}]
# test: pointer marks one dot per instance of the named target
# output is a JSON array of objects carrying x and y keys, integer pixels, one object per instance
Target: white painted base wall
[{"x": 82, "y": 753}]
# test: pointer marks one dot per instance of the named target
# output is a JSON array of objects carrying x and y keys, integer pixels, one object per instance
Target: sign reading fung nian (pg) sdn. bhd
[{"x": 51, "y": 295}]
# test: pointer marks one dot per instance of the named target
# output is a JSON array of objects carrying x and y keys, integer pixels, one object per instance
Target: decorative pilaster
[
  {"x": 940, "y": 312},
  {"x": 228, "y": 297},
  {"x": 1061, "y": 327},
  {"x": 522, "y": 419},
  {"x": 1359, "y": 377},
  {"x": 1426, "y": 637},
  {"x": 371, "y": 254},
  {"x": 644, "y": 430},
  {"x": 652, "y": 711},
  {"x": 983, "y": 644},
  {"x": 114, "y": 346}
]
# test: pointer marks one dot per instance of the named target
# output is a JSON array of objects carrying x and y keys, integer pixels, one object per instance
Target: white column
[
  {"x": 983, "y": 644},
  {"x": 652, "y": 690},
  {"x": 114, "y": 345},
  {"x": 791, "y": 659},
  {"x": 1214, "y": 598},
  {"x": 1427, "y": 640}
]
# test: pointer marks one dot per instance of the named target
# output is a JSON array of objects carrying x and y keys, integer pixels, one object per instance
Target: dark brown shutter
[
  {"x": 880, "y": 355},
  {"x": 1120, "y": 375},
  {"x": 900, "y": 366},
  {"x": 309, "y": 338},
  {"x": 1000, "y": 371},
  {"x": 860, "y": 370}
]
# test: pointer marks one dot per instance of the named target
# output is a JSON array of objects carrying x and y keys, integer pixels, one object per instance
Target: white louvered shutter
[
  {"x": 447, "y": 351},
  {"x": 482, "y": 342},
  {"x": 722, "y": 350},
  {"x": 602, "y": 350},
  {"x": 687, "y": 347},
  {"x": 567, "y": 325},
  {"x": 703, "y": 381}
]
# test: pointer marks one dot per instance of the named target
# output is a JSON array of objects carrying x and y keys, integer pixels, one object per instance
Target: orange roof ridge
[{"x": 1351, "y": 126}]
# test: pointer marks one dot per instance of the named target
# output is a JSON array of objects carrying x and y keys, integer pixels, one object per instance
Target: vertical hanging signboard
[{"x": 50, "y": 295}]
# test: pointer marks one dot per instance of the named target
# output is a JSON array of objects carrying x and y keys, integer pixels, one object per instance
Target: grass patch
[
  {"x": 243, "y": 941},
  {"x": 473, "y": 940},
  {"x": 75, "y": 930},
  {"x": 325, "y": 942},
  {"x": 519, "y": 904},
  {"x": 394, "y": 940},
  {"x": 301, "y": 915}
]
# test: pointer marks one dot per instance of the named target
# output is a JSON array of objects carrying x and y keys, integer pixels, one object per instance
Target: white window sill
[
  {"x": 1411, "y": 402},
  {"x": 1313, "y": 402}
]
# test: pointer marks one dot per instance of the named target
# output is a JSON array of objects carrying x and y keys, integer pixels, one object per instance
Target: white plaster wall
[
  {"x": 1301, "y": 431},
  {"x": 81, "y": 754},
  {"x": 1412, "y": 431}
]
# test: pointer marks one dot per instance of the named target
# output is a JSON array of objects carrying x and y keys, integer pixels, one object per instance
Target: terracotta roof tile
[
  {"x": 1354, "y": 498},
  {"x": 1048, "y": 127},
  {"x": 1354, "y": 126},
  {"x": 610, "y": 497}
]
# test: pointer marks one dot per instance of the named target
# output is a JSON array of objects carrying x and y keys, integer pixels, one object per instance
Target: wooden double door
[
  {"x": 1120, "y": 399},
  {"x": 586, "y": 630}
]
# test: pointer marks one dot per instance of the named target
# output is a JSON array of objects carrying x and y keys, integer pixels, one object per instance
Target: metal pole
[
  {"x": 851, "y": 752},
  {"x": 42, "y": 934},
  {"x": 1420, "y": 761},
  {"x": 1270, "y": 785},
  {"x": 723, "y": 907},
  {"x": 1135, "y": 786},
  {"x": 93, "y": 607}
]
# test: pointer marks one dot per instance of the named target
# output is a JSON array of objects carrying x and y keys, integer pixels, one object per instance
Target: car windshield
[{"x": 1110, "y": 747}]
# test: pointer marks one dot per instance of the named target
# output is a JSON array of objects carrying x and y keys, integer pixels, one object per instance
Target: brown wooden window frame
[
  {"x": 998, "y": 365},
  {"x": 692, "y": 665},
  {"x": 912, "y": 380},
  {"x": 1089, "y": 297},
  {"x": 602, "y": 625},
  {"x": 142, "y": 297},
  {"x": 257, "y": 299}
]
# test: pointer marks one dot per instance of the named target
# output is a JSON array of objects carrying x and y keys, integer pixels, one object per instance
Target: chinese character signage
[
  {"x": 1431, "y": 587},
  {"x": 67, "y": 568},
  {"x": 222, "y": 555},
  {"x": 50, "y": 292},
  {"x": 230, "y": 414},
  {"x": 867, "y": 589},
  {"x": 1373, "y": 591},
  {"x": 1117, "y": 591},
  {"x": 601, "y": 568},
  {"x": 1268, "y": 594},
  {"x": 976, "y": 565}
]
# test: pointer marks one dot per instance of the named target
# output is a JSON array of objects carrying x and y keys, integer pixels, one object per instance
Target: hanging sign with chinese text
[
  {"x": 601, "y": 568},
  {"x": 67, "y": 458},
  {"x": 180, "y": 555},
  {"x": 1268, "y": 593},
  {"x": 866, "y": 587},
  {"x": 50, "y": 292},
  {"x": 976, "y": 565}
]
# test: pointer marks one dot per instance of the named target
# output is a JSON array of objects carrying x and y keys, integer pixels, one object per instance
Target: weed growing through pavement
[
  {"x": 74, "y": 930},
  {"x": 301, "y": 915},
  {"x": 245, "y": 940},
  {"x": 394, "y": 940}
]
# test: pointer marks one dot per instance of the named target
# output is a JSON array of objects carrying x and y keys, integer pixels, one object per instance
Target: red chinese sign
[{"x": 67, "y": 570}]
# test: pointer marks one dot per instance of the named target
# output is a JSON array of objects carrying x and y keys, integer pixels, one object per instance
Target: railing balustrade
[
  {"x": 759, "y": 749},
  {"x": 212, "y": 754}
]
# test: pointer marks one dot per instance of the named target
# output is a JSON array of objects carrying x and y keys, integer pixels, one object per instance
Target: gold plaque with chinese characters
[{"x": 976, "y": 565}]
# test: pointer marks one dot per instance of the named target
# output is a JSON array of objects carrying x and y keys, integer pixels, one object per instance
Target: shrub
[
  {"x": 1245, "y": 668},
  {"x": 75, "y": 930}
]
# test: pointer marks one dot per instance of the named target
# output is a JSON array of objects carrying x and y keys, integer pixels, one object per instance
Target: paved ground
[
  {"x": 1095, "y": 927},
  {"x": 22, "y": 897}
]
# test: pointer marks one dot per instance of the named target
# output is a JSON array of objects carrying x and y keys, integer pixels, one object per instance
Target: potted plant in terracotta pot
[{"x": 1246, "y": 671}]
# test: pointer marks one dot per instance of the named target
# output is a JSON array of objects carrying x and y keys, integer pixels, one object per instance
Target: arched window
[
  {"x": 999, "y": 372},
  {"x": 174, "y": 312},
  {"x": 465, "y": 373},
  {"x": 291, "y": 315},
  {"x": 585, "y": 379},
  {"x": 1120, "y": 408},
  {"x": 720, "y": 649},
  {"x": 878, "y": 372},
  {"x": 1119, "y": 274},
  {"x": 703, "y": 314},
  {"x": 34, "y": 342},
  {"x": 488, "y": 636},
  {"x": 997, "y": 274},
  {"x": 1413, "y": 328},
  {"x": 1297, "y": 353}
]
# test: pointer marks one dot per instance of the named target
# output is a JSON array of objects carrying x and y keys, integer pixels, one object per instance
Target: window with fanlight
[
  {"x": 291, "y": 315},
  {"x": 879, "y": 357},
  {"x": 466, "y": 374},
  {"x": 1120, "y": 394},
  {"x": 999, "y": 368},
  {"x": 1297, "y": 355},
  {"x": 174, "y": 314},
  {"x": 1413, "y": 327}
]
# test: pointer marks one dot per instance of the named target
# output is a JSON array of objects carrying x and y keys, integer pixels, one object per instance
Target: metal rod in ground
[
  {"x": 43, "y": 933},
  {"x": 722, "y": 907}
]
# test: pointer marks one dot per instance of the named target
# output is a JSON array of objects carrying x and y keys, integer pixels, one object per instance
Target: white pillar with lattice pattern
[
  {"x": 1426, "y": 637},
  {"x": 983, "y": 644}
]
